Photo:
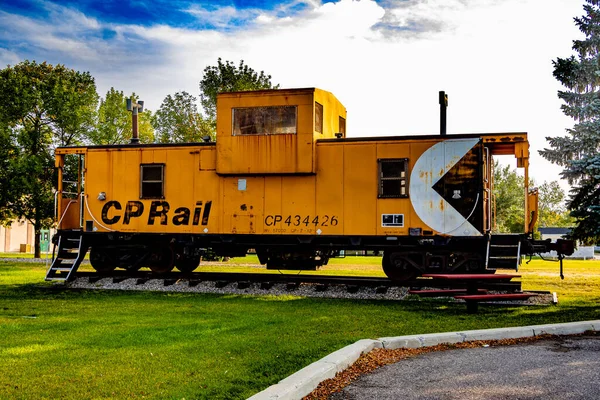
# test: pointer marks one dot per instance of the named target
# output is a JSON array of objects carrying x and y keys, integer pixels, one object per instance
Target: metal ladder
[
  {"x": 504, "y": 251},
  {"x": 70, "y": 254}
]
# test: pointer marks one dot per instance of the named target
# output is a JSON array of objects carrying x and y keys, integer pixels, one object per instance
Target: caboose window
[
  {"x": 264, "y": 120},
  {"x": 342, "y": 126},
  {"x": 393, "y": 180},
  {"x": 318, "y": 117},
  {"x": 152, "y": 183}
]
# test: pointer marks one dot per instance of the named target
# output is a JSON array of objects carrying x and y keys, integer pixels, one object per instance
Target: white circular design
[{"x": 432, "y": 208}]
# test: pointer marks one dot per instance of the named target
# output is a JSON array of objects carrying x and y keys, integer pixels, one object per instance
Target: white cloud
[
  {"x": 385, "y": 62},
  {"x": 218, "y": 16},
  {"x": 8, "y": 57}
]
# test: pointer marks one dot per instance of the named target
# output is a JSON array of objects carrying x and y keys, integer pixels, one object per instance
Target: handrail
[
  {"x": 87, "y": 206},
  {"x": 489, "y": 209},
  {"x": 65, "y": 212}
]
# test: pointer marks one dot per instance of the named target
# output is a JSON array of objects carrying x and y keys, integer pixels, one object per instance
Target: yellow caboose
[{"x": 282, "y": 178}]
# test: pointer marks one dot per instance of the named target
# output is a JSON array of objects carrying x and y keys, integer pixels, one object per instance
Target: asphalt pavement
[
  {"x": 564, "y": 367},
  {"x": 558, "y": 368}
]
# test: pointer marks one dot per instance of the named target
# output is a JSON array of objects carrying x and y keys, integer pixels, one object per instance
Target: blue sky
[{"x": 385, "y": 60}]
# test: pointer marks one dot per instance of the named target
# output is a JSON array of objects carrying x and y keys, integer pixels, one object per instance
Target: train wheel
[
  {"x": 397, "y": 268},
  {"x": 187, "y": 263},
  {"x": 101, "y": 260},
  {"x": 161, "y": 260}
]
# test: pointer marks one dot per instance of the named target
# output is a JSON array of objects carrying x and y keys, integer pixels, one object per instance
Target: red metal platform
[
  {"x": 502, "y": 296},
  {"x": 469, "y": 277},
  {"x": 443, "y": 292}
]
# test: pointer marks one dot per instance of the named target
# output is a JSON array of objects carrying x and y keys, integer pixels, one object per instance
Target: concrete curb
[{"x": 301, "y": 383}]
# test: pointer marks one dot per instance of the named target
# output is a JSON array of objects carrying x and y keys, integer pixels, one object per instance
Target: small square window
[
  {"x": 393, "y": 180},
  {"x": 152, "y": 181}
]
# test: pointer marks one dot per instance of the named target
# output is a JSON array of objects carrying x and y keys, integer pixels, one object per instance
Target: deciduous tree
[
  {"x": 114, "y": 121},
  {"x": 7, "y": 190},
  {"x": 226, "y": 77},
  {"x": 43, "y": 106},
  {"x": 178, "y": 120},
  {"x": 578, "y": 152},
  {"x": 552, "y": 210},
  {"x": 509, "y": 204}
]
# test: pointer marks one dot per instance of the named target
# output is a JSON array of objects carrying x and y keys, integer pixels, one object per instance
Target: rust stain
[{"x": 442, "y": 204}]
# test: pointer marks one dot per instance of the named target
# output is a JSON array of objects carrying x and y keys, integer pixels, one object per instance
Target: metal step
[
  {"x": 504, "y": 251},
  {"x": 68, "y": 257}
]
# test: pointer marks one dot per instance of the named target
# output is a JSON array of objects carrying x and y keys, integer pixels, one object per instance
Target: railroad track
[
  {"x": 300, "y": 285},
  {"x": 242, "y": 280}
]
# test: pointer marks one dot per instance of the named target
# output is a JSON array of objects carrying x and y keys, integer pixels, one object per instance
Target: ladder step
[
  {"x": 61, "y": 261},
  {"x": 504, "y": 252},
  {"x": 61, "y": 269},
  {"x": 55, "y": 278},
  {"x": 69, "y": 246},
  {"x": 67, "y": 256}
]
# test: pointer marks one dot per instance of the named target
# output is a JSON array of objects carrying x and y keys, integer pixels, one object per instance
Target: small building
[
  {"x": 554, "y": 233},
  {"x": 17, "y": 234}
]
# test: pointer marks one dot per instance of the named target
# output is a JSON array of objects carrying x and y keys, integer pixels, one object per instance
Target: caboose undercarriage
[{"x": 403, "y": 257}]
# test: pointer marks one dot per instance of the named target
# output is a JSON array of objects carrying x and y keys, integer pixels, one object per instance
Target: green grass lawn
[{"x": 107, "y": 344}]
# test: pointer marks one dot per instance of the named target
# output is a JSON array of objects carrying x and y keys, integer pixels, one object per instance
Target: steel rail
[{"x": 231, "y": 277}]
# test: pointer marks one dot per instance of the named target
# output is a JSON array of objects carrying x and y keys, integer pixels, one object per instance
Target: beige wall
[{"x": 18, "y": 233}]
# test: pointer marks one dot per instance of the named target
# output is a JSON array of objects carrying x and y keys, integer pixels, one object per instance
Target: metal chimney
[{"x": 443, "y": 106}]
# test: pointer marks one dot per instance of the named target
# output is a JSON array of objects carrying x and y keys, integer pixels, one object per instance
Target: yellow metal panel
[
  {"x": 207, "y": 190},
  {"x": 243, "y": 201},
  {"x": 360, "y": 188},
  {"x": 330, "y": 188},
  {"x": 125, "y": 177},
  {"x": 147, "y": 156},
  {"x": 98, "y": 179},
  {"x": 265, "y": 154},
  {"x": 273, "y": 203},
  {"x": 208, "y": 159},
  {"x": 298, "y": 205},
  {"x": 180, "y": 175}
]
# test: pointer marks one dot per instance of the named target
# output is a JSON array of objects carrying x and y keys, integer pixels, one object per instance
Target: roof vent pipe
[
  {"x": 443, "y": 106},
  {"x": 134, "y": 107}
]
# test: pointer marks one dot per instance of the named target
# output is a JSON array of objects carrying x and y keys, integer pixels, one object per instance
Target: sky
[{"x": 384, "y": 60}]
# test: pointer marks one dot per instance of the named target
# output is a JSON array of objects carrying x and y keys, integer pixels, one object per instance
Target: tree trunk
[{"x": 37, "y": 230}]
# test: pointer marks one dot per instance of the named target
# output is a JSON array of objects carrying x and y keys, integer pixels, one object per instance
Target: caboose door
[{"x": 68, "y": 208}]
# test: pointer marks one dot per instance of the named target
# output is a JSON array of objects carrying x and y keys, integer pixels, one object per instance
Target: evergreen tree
[{"x": 578, "y": 151}]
